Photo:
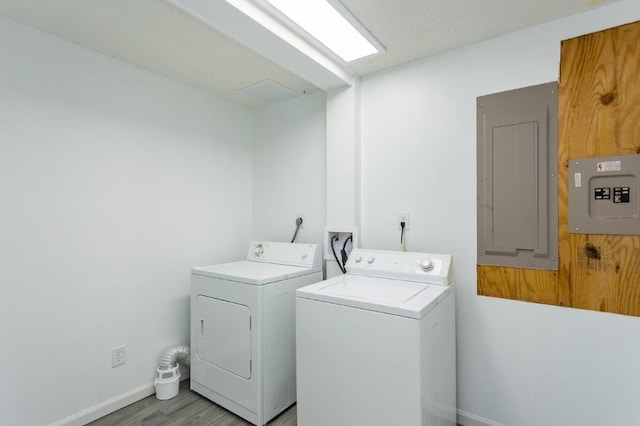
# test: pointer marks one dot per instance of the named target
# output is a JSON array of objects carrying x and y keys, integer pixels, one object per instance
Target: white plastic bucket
[{"x": 167, "y": 382}]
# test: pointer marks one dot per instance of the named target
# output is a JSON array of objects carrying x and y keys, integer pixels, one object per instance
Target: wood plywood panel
[
  {"x": 599, "y": 115},
  {"x": 605, "y": 273},
  {"x": 527, "y": 285}
]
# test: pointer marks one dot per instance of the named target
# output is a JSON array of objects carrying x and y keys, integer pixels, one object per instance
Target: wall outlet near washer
[{"x": 403, "y": 216}]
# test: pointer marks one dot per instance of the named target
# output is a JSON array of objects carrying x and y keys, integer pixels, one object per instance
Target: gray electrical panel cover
[
  {"x": 603, "y": 195},
  {"x": 517, "y": 183}
]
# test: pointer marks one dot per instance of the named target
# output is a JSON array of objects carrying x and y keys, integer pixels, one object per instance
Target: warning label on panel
[
  {"x": 608, "y": 166},
  {"x": 577, "y": 177}
]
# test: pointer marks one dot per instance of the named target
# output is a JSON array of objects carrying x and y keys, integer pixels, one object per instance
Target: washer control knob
[
  {"x": 426, "y": 265},
  {"x": 259, "y": 250},
  {"x": 304, "y": 255},
  {"x": 371, "y": 260},
  {"x": 358, "y": 259}
]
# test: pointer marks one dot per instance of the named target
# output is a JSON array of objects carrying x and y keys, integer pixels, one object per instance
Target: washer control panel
[
  {"x": 426, "y": 264},
  {"x": 306, "y": 255},
  {"x": 420, "y": 267}
]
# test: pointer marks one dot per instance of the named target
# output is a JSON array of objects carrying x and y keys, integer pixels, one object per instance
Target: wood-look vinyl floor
[{"x": 186, "y": 408}]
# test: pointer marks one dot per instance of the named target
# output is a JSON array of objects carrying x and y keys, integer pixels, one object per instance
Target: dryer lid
[
  {"x": 396, "y": 297},
  {"x": 255, "y": 273}
]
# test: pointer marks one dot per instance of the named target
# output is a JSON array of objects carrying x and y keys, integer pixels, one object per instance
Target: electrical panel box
[
  {"x": 603, "y": 195},
  {"x": 517, "y": 178}
]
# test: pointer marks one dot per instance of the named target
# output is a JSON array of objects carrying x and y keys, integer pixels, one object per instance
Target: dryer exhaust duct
[
  {"x": 168, "y": 372},
  {"x": 175, "y": 354}
]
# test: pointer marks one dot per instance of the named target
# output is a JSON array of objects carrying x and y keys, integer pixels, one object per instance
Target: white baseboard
[
  {"x": 468, "y": 419},
  {"x": 113, "y": 404},
  {"x": 107, "y": 407}
]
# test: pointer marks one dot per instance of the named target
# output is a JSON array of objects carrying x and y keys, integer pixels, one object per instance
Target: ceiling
[{"x": 225, "y": 55}]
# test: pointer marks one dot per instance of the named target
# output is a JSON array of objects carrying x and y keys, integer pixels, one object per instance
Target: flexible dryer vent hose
[{"x": 175, "y": 354}]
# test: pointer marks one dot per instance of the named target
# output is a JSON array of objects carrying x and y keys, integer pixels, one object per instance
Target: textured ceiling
[
  {"x": 156, "y": 36},
  {"x": 159, "y": 37},
  {"x": 416, "y": 29}
]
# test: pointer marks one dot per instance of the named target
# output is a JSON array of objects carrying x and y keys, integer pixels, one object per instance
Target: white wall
[
  {"x": 114, "y": 182},
  {"x": 518, "y": 363},
  {"x": 343, "y": 163},
  {"x": 289, "y": 166}
]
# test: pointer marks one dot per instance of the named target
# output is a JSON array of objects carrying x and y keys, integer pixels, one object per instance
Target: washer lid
[
  {"x": 396, "y": 297},
  {"x": 255, "y": 273}
]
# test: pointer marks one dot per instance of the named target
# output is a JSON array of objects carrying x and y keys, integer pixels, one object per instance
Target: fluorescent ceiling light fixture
[{"x": 330, "y": 27}]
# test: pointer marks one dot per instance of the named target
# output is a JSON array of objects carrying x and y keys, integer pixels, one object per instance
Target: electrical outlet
[
  {"x": 304, "y": 219},
  {"x": 118, "y": 356},
  {"x": 403, "y": 217}
]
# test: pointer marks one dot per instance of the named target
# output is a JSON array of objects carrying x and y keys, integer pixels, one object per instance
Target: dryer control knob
[
  {"x": 358, "y": 259},
  {"x": 426, "y": 265},
  {"x": 371, "y": 260},
  {"x": 304, "y": 255}
]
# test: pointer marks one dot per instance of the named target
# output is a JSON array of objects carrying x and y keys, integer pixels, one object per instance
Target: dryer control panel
[
  {"x": 295, "y": 254},
  {"x": 420, "y": 267}
]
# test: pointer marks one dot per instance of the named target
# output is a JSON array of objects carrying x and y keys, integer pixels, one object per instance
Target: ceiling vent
[{"x": 268, "y": 91}]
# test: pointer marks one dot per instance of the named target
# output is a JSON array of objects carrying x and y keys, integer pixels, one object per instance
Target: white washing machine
[
  {"x": 243, "y": 328},
  {"x": 377, "y": 346}
]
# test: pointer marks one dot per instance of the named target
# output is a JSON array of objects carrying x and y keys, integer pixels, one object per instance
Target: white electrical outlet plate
[
  {"x": 403, "y": 217},
  {"x": 344, "y": 232},
  {"x": 118, "y": 356},
  {"x": 304, "y": 219}
]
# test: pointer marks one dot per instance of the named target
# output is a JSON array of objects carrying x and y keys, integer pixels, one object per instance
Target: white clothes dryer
[
  {"x": 377, "y": 346},
  {"x": 243, "y": 328}
]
